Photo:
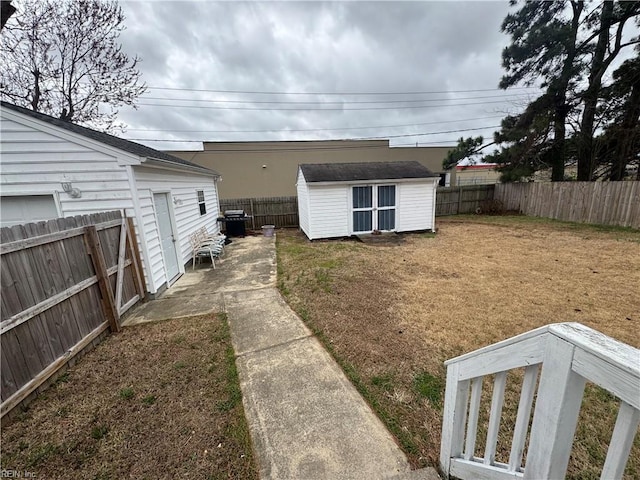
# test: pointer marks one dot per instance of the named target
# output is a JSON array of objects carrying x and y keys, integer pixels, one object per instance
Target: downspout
[{"x": 140, "y": 227}]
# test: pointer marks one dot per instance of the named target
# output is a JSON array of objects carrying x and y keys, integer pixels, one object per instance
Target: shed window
[
  {"x": 201, "y": 203},
  {"x": 387, "y": 196},
  {"x": 362, "y": 197}
]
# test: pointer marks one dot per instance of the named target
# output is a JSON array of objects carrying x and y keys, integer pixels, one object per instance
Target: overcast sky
[{"x": 232, "y": 71}]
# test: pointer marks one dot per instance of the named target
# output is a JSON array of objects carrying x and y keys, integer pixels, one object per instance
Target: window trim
[{"x": 202, "y": 204}]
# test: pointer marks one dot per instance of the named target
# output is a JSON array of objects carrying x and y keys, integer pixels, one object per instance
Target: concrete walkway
[{"x": 306, "y": 419}]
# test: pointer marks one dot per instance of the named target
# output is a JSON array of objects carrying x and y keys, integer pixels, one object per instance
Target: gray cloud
[{"x": 313, "y": 47}]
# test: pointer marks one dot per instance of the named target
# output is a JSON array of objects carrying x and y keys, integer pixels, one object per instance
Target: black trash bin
[{"x": 235, "y": 221}]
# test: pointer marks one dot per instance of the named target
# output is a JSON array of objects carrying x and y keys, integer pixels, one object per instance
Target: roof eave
[
  {"x": 179, "y": 166},
  {"x": 371, "y": 180}
]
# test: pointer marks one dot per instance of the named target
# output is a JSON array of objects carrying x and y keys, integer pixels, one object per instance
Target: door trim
[
  {"x": 174, "y": 231},
  {"x": 374, "y": 206}
]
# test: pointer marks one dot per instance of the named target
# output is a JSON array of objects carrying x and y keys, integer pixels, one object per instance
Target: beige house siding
[{"x": 268, "y": 169}]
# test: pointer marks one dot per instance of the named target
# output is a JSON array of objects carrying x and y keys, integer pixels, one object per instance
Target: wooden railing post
[
  {"x": 108, "y": 301},
  {"x": 556, "y": 413},
  {"x": 454, "y": 418}
]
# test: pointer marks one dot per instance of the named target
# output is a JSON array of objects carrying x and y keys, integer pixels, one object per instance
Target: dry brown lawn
[
  {"x": 392, "y": 315},
  {"x": 154, "y": 401}
]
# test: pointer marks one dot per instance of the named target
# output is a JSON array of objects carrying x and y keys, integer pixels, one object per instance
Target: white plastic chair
[{"x": 200, "y": 250}]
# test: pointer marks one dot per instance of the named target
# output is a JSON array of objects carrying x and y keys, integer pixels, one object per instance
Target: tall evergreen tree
[
  {"x": 609, "y": 44},
  {"x": 544, "y": 49}
]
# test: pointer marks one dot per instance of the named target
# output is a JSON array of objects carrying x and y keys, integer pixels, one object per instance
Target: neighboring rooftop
[
  {"x": 111, "y": 140},
  {"x": 348, "y": 172}
]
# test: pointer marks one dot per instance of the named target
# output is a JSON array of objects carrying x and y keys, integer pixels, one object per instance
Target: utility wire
[
  {"x": 322, "y": 109},
  {"x": 278, "y": 102},
  {"x": 312, "y": 129},
  {"x": 362, "y": 138},
  {"x": 252, "y": 92},
  {"x": 307, "y": 148}
]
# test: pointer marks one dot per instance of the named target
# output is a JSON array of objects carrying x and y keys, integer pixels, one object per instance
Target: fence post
[
  {"x": 459, "y": 199},
  {"x": 253, "y": 216},
  {"x": 108, "y": 301},
  {"x": 136, "y": 260}
]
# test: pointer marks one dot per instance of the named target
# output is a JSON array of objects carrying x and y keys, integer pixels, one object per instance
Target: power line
[
  {"x": 313, "y": 129},
  {"x": 307, "y": 148},
  {"x": 362, "y": 138},
  {"x": 279, "y": 102},
  {"x": 321, "y": 109},
  {"x": 253, "y": 92},
  {"x": 429, "y": 133}
]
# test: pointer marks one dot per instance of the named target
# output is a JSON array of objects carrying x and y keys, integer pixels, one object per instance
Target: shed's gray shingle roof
[
  {"x": 119, "y": 143},
  {"x": 349, "y": 172}
]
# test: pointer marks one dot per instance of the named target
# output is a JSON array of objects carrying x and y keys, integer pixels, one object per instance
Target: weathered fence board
[
  {"x": 463, "y": 199},
  {"x": 278, "y": 211},
  {"x": 283, "y": 211},
  {"x": 64, "y": 282},
  {"x": 603, "y": 203}
]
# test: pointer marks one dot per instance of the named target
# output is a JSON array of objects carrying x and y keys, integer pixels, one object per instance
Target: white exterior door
[
  {"x": 374, "y": 208},
  {"x": 167, "y": 237}
]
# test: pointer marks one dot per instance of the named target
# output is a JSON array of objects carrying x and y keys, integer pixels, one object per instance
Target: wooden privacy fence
[
  {"x": 462, "y": 199},
  {"x": 64, "y": 282},
  {"x": 283, "y": 211},
  {"x": 604, "y": 203},
  {"x": 278, "y": 211}
]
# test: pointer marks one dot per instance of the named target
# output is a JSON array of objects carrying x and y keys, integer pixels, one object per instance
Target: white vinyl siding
[
  {"x": 303, "y": 203},
  {"x": 328, "y": 211},
  {"x": 416, "y": 206},
  {"x": 325, "y": 210},
  {"x": 35, "y": 162},
  {"x": 37, "y": 157},
  {"x": 183, "y": 188}
]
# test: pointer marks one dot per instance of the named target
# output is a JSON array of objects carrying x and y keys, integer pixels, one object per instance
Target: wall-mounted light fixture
[
  {"x": 264, "y": 166},
  {"x": 73, "y": 192},
  {"x": 177, "y": 201}
]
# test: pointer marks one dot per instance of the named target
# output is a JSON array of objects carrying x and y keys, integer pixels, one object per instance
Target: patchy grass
[
  {"x": 126, "y": 411},
  {"x": 391, "y": 315}
]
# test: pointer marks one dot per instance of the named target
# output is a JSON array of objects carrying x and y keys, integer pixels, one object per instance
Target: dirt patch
[
  {"x": 392, "y": 315},
  {"x": 154, "y": 401}
]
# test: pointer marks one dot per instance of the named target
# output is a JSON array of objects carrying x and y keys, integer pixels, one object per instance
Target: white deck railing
[{"x": 569, "y": 354}]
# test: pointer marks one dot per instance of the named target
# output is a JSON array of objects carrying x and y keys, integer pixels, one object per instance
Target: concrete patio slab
[{"x": 176, "y": 307}]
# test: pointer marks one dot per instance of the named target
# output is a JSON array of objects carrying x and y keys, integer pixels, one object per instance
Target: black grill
[{"x": 235, "y": 221}]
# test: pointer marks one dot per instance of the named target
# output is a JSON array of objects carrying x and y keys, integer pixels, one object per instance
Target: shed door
[
  {"x": 374, "y": 208},
  {"x": 167, "y": 237}
]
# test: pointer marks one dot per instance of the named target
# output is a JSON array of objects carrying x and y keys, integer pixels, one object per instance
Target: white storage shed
[
  {"x": 51, "y": 168},
  {"x": 344, "y": 199}
]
